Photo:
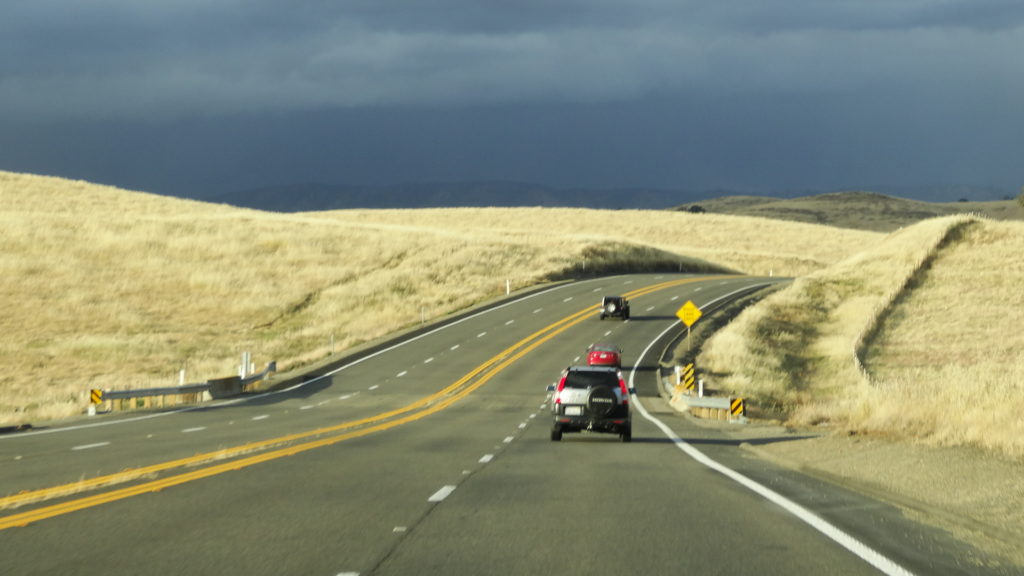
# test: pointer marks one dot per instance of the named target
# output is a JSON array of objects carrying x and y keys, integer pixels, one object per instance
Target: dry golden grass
[
  {"x": 948, "y": 363},
  {"x": 916, "y": 338},
  {"x": 104, "y": 288}
]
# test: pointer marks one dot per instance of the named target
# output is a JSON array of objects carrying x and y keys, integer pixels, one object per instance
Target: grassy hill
[
  {"x": 107, "y": 288},
  {"x": 857, "y": 210}
]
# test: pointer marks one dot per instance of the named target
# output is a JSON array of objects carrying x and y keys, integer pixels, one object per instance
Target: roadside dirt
[{"x": 978, "y": 498}]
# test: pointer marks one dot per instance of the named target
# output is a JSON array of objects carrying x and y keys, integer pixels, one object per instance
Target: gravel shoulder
[{"x": 976, "y": 497}]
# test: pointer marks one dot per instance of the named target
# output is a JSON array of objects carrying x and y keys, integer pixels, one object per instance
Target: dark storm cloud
[
  {"x": 677, "y": 92},
  {"x": 116, "y": 58}
]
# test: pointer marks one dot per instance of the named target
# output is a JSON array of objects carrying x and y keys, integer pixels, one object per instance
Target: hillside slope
[{"x": 857, "y": 210}]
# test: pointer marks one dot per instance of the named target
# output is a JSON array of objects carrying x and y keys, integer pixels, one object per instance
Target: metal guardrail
[
  {"x": 217, "y": 388},
  {"x": 105, "y": 395}
]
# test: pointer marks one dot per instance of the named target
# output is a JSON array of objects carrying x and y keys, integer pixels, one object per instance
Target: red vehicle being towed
[{"x": 604, "y": 355}]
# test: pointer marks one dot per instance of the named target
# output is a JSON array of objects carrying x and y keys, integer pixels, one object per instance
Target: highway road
[{"x": 433, "y": 456}]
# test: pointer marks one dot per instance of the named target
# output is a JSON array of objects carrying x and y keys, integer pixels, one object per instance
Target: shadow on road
[{"x": 725, "y": 442}]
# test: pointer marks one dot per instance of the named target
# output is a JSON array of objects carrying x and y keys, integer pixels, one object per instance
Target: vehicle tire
[
  {"x": 601, "y": 401},
  {"x": 627, "y": 434},
  {"x": 556, "y": 435}
]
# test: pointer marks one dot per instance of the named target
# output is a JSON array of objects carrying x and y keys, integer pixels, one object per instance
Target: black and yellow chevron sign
[
  {"x": 96, "y": 396},
  {"x": 737, "y": 408},
  {"x": 687, "y": 377}
]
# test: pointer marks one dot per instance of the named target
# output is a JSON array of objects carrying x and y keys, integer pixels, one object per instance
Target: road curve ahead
[{"x": 434, "y": 457}]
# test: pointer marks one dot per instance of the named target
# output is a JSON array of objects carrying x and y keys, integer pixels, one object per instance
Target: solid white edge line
[
  {"x": 858, "y": 548},
  {"x": 442, "y": 494}
]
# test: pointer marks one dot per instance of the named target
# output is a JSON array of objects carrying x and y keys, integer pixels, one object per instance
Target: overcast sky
[{"x": 197, "y": 97}]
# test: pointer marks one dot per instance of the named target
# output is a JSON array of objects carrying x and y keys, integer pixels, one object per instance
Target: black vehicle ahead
[
  {"x": 614, "y": 306},
  {"x": 591, "y": 398}
]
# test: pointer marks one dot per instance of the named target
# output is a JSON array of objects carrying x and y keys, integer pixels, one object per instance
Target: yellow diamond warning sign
[{"x": 689, "y": 313}]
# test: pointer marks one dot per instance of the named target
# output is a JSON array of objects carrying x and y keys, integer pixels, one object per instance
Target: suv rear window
[{"x": 591, "y": 379}]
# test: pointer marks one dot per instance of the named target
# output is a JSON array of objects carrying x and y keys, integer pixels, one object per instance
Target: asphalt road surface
[{"x": 433, "y": 456}]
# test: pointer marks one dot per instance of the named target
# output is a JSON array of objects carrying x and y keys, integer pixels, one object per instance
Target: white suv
[{"x": 592, "y": 398}]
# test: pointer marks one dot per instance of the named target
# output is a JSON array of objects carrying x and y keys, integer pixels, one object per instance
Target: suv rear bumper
[{"x": 615, "y": 425}]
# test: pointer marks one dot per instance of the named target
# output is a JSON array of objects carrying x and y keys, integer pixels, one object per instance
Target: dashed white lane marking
[
  {"x": 196, "y": 429},
  {"x": 261, "y": 417},
  {"x": 649, "y": 309},
  {"x": 345, "y": 397},
  {"x": 400, "y": 529},
  {"x": 322, "y": 403},
  {"x": 608, "y": 333},
  {"x": 522, "y": 425},
  {"x": 456, "y": 347},
  {"x": 698, "y": 288},
  {"x": 428, "y": 360},
  {"x": 674, "y": 298},
  {"x": 306, "y": 407},
  {"x": 486, "y": 458},
  {"x": 532, "y": 416},
  {"x": 510, "y": 322},
  {"x": 597, "y": 289},
  {"x": 374, "y": 387},
  {"x": 567, "y": 299},
  {"x": 348, "y": 574},
  {"x": 576, "y": 359},
  {"x": 628, "y": 282},
  {"x": 481, "y": 335},
  {"x": 509, "y": 439},
  {"x": 538, "y": 310},
  {"x": 442, "y": 494},
  {"x": 91, "y": 446},
  {"x": 402, "y": 373}
]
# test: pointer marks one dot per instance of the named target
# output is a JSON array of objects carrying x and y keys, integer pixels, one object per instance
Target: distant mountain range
[
  {"x": 319, "y": 197},
  {"x": 858, "y": 210},
  {"x": 316, "y": 197}
]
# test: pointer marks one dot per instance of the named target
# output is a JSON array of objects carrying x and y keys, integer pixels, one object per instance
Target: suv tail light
[
  {"x": 624, "y": 390},
  {"x": 558, "y": 390}
]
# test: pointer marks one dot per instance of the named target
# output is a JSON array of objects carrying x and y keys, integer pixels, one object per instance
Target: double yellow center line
[{"x": 325, "y": 436}]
